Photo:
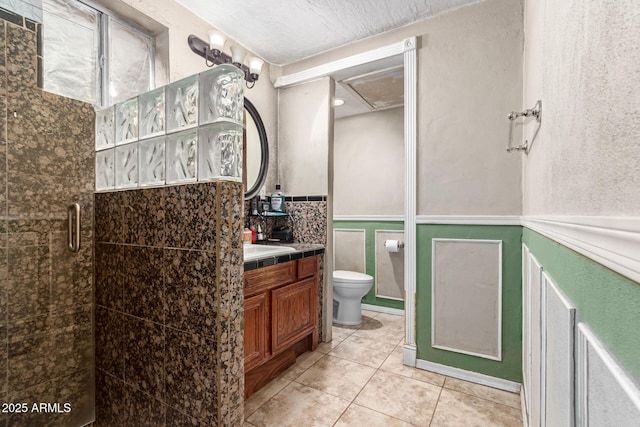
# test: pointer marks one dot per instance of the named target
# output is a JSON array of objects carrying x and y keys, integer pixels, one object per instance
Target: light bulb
[
  {"x": 216, "y": 40},
  {"x": 338, "y": 102},
  {"x": 255, "y": 65}
]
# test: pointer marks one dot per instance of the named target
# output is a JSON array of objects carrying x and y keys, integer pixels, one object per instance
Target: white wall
[
  {"x": 469, "y": 78},
  {"x": 582, "y": 59},
  {"x": 369, "y": 164},
  {"x": 304, "y": 137}
]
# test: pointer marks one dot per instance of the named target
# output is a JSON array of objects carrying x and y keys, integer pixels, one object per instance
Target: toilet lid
[{"x": 351, "y": 276}]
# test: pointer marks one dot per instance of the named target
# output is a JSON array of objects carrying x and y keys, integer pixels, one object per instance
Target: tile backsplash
[{"x": 307, "y": 217}]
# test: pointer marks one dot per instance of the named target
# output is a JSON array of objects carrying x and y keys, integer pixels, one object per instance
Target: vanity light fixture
[
  {"x": 338, "y": 102},
  {"x": 213, "y": 55}
]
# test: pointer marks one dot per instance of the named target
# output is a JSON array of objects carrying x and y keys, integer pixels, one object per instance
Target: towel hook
[{"x": 536, "y": 112}]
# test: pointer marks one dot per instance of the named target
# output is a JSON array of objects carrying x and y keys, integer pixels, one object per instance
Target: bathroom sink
[{"x": 252, "y": 252}]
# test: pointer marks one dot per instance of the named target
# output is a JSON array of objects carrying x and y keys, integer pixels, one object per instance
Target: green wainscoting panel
[
  {"x": 608, "y": 302},
  {"x": 510, "y": 367},
  {"x": 370, "y": 228}
]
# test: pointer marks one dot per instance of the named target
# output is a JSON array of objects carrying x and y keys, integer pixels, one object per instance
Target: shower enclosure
[{"x": 46, "y": 241}]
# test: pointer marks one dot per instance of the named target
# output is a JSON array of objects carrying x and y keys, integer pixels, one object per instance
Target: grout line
[{"x": 436, "y": 406}]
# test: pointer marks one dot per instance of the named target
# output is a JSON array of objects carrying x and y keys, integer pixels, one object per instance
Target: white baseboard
[
  {"x": 473, "y": 377},
  {"x": 380, "y": 309},
  {"x": 409, "y": 353}
]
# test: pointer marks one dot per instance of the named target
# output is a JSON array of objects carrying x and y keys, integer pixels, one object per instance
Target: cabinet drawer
[
  {"x": 256, "y": 327},
  {"x": 268, "y": 277},
  {"x": 294, "y": 313},
  {"x": 307, "y": 267}
]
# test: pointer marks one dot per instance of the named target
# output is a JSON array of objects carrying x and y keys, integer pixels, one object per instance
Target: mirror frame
[{"x": 264, "y": 148}]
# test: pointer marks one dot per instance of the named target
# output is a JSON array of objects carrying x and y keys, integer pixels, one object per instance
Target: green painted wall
[
  {"x": 510, "y": 368},
  {"x": 608, "y": 302},
  {"x": 370, "y": 228}
]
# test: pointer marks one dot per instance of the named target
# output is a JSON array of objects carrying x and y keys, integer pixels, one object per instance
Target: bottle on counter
[
  {"x": 254, "y": 205},
  {"x": 260, "y": 235},
  {"x": 246, "y": 236},
  {"x": 263, "y": 204},
  {"x": 277, "y": 200},
  {"x": 254, "y": 235}
]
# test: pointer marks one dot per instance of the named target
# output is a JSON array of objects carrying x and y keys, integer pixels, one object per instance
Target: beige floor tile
[
  {"x": 338, "y": 377},
  {"x": 484, "y": 392},
  {"x": 303, "y": 362},
  {"x": 261, "y": 397},
  {"x": 357, "y": 415},
  {"x": 338, "y": 335},
  {"x": 376, "y": 330},
  {"x": 299, "y": 405},
  {"x": 387, "y": 318},
  {"x": 410, "y": 400},
  {"x": 459, "y": 409},
  {"x": 325, "y": 347},
  {"x": 343, "y": 330},
  {"x": 369, "y": 313},
  {"x": 394, "y": 364},
  {"x": 363, "y": 350}
]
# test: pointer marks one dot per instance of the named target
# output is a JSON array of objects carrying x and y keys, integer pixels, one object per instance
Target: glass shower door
[{"x": 46, "y": 244}]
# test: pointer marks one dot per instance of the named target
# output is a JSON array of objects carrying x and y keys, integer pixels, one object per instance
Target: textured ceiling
[{"x": 285, "y": 31}]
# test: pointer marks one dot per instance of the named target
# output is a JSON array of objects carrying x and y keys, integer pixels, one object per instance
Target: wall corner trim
[
  {"x": 474, "y": 377},
  {"x": 611, "y": 241}
]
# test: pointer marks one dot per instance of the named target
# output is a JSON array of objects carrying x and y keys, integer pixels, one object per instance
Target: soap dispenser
[{"x": 277, "y": 200}]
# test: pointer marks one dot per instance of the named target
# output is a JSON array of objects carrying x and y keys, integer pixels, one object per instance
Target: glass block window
[
  {"x": 92, "y": 55},
  {"x": 130, "y": 61},
  {"x": 71, "y": 43}
]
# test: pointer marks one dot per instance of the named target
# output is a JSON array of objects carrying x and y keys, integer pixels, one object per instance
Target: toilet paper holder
[{"x": 390, "y": 245}]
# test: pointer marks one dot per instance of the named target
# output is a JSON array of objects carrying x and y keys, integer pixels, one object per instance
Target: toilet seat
[{"x": 351, "y": 276}]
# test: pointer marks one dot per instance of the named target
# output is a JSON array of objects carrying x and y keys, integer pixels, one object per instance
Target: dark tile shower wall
[
  {"x": 46, "y": 291},
  {"x": 169, "y": 306}
]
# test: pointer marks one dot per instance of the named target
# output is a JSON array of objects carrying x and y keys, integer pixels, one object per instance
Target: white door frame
[{"x": 407, "y": 48}]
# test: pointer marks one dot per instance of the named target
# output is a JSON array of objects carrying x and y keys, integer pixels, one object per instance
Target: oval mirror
[{"x": 255, "y": 151}]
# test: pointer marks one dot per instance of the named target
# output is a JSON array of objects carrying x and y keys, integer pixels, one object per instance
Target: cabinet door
[
  {"x": 294, "y": 313},
  {"x": 255, "y": 330}
]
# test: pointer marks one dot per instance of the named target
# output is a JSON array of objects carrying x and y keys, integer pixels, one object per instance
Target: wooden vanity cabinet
[{"x": 280, "y": 318}]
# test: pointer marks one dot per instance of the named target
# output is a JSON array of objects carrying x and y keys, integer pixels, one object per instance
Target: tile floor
[{"x": 358, "y": 380}]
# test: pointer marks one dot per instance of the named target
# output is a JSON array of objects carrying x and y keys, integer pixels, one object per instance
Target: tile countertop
[{"x": 302, "y": 250}]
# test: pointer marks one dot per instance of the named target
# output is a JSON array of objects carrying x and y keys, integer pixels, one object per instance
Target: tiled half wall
[{"x": 169, "y": 306}]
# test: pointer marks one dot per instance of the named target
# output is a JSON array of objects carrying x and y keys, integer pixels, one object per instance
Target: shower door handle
[{"x": 73, "y": 215}]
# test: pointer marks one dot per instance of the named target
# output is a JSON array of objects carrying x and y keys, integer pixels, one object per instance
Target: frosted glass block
[
  {"x": 151, "y": 161},
  {"x": 221, "y": 96},
  {"x": 105, "y": 132},
  {"x": 105, "y": 177},
  {"x": 151, "y": 105},
  {"x": 182, "y": 104},
  {"x": 220, "y": 151},
  {"x": 127, "y": 165},
  {"x": 181, "y": 154},
  {"x": 127, "y": 121}
]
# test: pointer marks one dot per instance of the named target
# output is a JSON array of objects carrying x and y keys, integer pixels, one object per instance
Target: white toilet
[{"x": 348, "y": 289}]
